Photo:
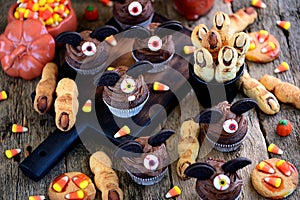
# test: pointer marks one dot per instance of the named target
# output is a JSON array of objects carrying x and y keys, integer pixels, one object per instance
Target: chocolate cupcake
[
  {"x": 154, "y": 43},
  {"x": 125, "y": 90},
  {"x": 86, "y": 52},
  {"x": 146, "y": 158},
  {"x": 225, "y": 125},
  {"x": 217, "y": 179},
  {"x": 128, "y": 12}
]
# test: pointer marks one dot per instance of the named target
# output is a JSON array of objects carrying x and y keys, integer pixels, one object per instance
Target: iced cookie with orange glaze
[
  {"x": 72, "y": 185},
  {"x": 275, "y": 178},
  {"x": 264, "y": 47}
]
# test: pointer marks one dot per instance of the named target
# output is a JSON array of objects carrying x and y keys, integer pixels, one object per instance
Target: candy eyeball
[
  {"x": 154, "y": 43},
  {"x": 151, "y": 162},
  {"x": 135, "y": 8},
  {"x": 221, "y": 182},
  {"x": 230, "y": 126},
  {"x": 128, "y": 85},
  {"x": 89, "y": 48}
]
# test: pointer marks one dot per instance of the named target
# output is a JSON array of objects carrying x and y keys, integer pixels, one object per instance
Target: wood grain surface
[{"x": 261, "y": 131}]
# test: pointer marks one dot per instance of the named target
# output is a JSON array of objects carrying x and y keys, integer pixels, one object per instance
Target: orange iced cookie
[
  {"x": 275, "y": 178},
  {"x": 264, "y": 47}
]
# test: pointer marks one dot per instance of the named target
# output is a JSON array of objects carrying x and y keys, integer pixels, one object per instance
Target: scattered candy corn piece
[
  {"x": 284, "y": 24},
  {"x": 157, "y": 86},
  {"x": 262, "y": 36},
  {"x": 60, "y": 183},
  {"x": 265, "y": 167},
  {"x": 41, "y": 197},
  {"x": 81, "y": 180},
  {"x": 274, "y": 181},
  {"x": 188, "y": 49},
  {"x": 87, "y": 107},
  {"x": 12, "y": 152},
  {"x": 258, "y": 4},
  {"x": 282, "y": 67},
  {"x": 270, "y": 46},
  {"x": 252, "y": 44},
  {"x": 175, "y": 191},
  {"x": 79, "y": 194},
  {"x": 3, "y": 95},
  {"x": 111, "y": 40},
  {"x": 273, "y": 148},
  {"x": 228, "y": 1},
  {"x": 284, "y": 167},
  {"x": 122, "y": 132},
  {"x": 18, "y": 128},
  {"x": 106, "y": 2},
  {"x": 110, "y": 69}
]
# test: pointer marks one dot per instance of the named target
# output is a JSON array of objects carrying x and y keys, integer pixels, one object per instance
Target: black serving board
[{"x": 99, "y": 126}]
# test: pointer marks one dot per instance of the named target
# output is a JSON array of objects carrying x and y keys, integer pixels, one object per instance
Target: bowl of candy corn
[{"x": 57, "y": 15}]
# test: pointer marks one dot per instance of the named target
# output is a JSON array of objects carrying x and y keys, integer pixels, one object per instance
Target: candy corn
[
  {"x": 106, "y": 2},
  {"x": 270, "y": 46},
  {"x": 252, "y": 44},
  {"x": 188, "y": 49},
  {"x": 122, "y": 132},
  {"x": 282, "y": 67},
  {"x": 284, "y": 24},
  {"x": 87, "y": 107},
  {"x": 18, "y": 128},
  {"x": 60, "y": 183},
  {"x": 3, "y": 95},
  {"x": 274, "y": 181},
  {"x": 79, "y": 194},
  {"x": 111, "y": 40},
  {"x": 262, "y": 36},
  {"x": 265, "y": 167},
  {"x": 157, "y": 86},
  {"x": 12, "y": 152},
  {"x": 273, "y": 148},
  {"x": 81, "y": 180},
  {"x": 258, "y": 4},
  {"x": 284, "y": 167},
  {"x": 41, "y": 197},
  {"x": 175, "y": 191}
]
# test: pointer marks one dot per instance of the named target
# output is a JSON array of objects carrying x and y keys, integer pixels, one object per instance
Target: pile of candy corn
[{"x": 50, "y": 12}]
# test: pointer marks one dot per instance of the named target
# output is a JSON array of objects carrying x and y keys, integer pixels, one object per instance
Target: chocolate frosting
[
  {"x": 136, "y": 164},
  {"x": 77, "y": 59},
  {"x": 121, "y": 13},
  {"x": 114, "y": 96},
  {"x": 207, "y": 191},
  {"x": 216, "y": 133},
  {"x": 142, "y": 52}
]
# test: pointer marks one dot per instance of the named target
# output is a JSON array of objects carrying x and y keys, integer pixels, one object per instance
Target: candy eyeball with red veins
[
  {"x": 230, "y": 126},
  {"x": 135, "y": 8},
  {"x": 154, "y": 43},
  {"x": 128, "y": 85},
  {"x": 151, "y": 162},
  {"x": 221, "y": 182},
  {"x": 89, "y": 48}
]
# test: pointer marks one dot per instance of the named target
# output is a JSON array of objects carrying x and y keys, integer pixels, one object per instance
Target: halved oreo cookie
[
  {"x": 243, "y": 106},
  {"x": 129, "y": 149},
  {"x": 210, "y": 115},
  {"x": 168, "y": 28},
  {"x": 109, "y": 78},
  {"x": 137, "y": 32},
  {"x": 233, "y": 165},
  {"x": 201, "y": 171},
  {"x": 69, "y": 37},
  {"x": 103, "y": 32},
  {"x": 159, "y": 138}
]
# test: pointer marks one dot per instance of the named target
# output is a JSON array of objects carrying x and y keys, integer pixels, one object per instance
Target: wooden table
[{"x": 18, "y": 109}]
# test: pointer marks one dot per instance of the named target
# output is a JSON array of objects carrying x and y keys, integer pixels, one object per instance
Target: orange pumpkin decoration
[
  {"x": 25, "y": 48},
  {"x": 284, "y": 127}
]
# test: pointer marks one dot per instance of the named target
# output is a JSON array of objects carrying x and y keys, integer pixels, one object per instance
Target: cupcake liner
[
  {"x": 126, "y": 113},
  {"x": 91, "y": 71},
  {"x": 144, "y": 23},
  {"x": 240, "y": 194},
  {"x": 225, "y": 147},
  {"x": 157, "y": 67},
  {"x": 147, "y": 181}
]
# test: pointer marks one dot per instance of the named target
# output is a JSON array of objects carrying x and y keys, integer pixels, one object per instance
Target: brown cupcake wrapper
[
  {"x": 225, "y": 147},
  {"x": 147, "y": 181}
]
